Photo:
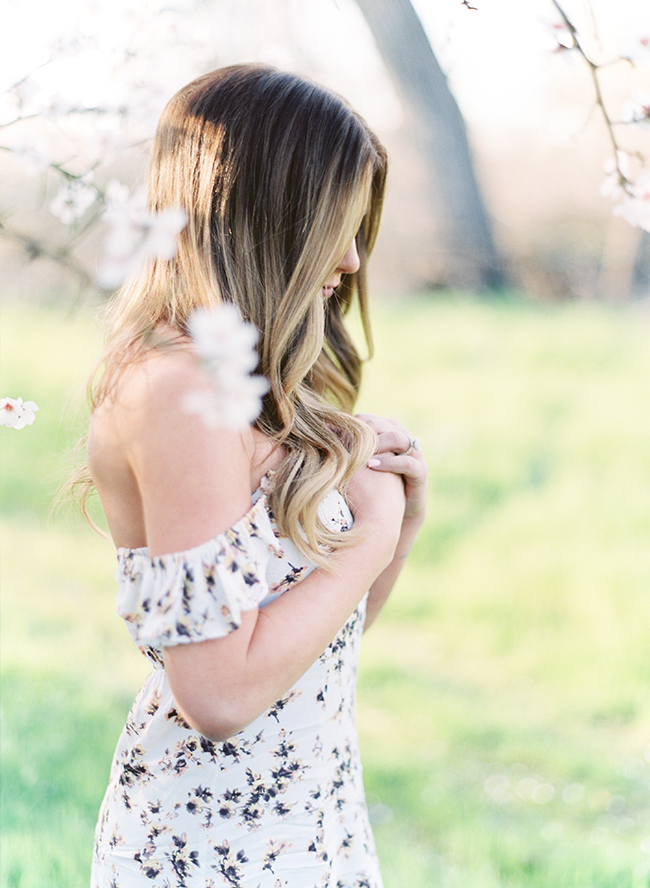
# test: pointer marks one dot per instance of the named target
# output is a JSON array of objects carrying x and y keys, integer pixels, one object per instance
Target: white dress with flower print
[{"x": 278, "y": 805}]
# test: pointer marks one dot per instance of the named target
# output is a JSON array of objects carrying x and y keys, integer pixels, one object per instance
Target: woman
[{"x": 238, "y": 765}]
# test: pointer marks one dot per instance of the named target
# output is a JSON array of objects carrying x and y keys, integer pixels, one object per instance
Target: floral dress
[{"x": 278, "y": 805}]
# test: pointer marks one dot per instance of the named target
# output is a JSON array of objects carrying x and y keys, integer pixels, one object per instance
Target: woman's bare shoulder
[
  {"x": 150, "y": 394},
  {"x": 148, "y": 454}
]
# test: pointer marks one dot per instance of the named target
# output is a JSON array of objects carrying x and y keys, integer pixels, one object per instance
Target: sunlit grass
[{"x": 503, "y": 701}]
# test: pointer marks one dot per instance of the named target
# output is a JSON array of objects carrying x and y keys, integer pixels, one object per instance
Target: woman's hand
[
  {"x": 409, "y": 470},
  {"x": 377, "y": 503},
  {"x": 395, "y": 453}
]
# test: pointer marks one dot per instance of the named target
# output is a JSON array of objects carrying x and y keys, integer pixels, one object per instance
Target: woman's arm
[
  {"x": 390, "y": 456},
  {"x": 195, "y": 483},
  {"x": 221, "y": 686},
  {"x": 383, "y": 585}
]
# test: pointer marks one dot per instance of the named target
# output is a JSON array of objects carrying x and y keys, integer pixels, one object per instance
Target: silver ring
[{"x": 414, "y": 445}]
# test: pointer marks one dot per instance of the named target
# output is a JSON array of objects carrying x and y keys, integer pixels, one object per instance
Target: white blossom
[
  {"x": 631, "y": 198},
  {"x": 617, "y": 175},
  {"x": 55, "y": 106},
  {"x": 636, "y": 48},
  {"x": 135, "y": 234},
  {"x": 25, "y": 91},
  {"x": 73, "y": 199},
  {"x": 33, "y": 153},
  {"x": 635, "y": 206},
  {"x": 637, "y": 112},
  {"x": 16, "y": 413},
  {"x": 222, "y": 340},
  {"x": 231, "y": 404},
  {"x": 226, "y": 346},
  {"x": 107, "y": 142},
  {"x": 120, "y": 200},
  {"x": 558, "y": 29},
  {"x": 142, "y": 100}
]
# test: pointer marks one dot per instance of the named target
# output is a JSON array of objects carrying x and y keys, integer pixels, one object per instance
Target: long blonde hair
[{"x": 272, "y": 171}]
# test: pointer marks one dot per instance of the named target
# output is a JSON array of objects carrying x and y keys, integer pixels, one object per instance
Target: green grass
[{"x": 503, "y": 702}]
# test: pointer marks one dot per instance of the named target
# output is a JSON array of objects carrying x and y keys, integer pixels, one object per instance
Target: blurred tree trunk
[
  {"x": 641, "y": 272},
  {"x": 471, "y": 256}
]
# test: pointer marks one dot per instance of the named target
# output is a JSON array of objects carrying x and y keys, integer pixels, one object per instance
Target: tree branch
[
  {"x": 36, "y": 249},
  {"x": 594, "y": 70}
]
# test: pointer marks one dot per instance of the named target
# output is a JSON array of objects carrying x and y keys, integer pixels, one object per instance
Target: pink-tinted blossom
[
  {"x": 617, "y": 172},
  {"x": 637, "y": 112},
  {"x": 16, "y": 413},
  {"x": 635, "y": 206},
  {"x": 560, "y": 32},
  {"x": 636, "y": 48}
]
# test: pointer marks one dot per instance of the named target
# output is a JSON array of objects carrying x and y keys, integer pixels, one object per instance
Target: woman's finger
[
  {"x": 413, "y": 471},
  {"x": 378, "y": 423},
  {"x": 392, "y": 437},
  {"x": 395, "y": 441},
  {"x": 412, "y": 466}
]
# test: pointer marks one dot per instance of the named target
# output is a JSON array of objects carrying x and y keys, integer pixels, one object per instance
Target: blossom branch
[
  {"x": 9, "y": 123},
  {"x": 593, "y": 70},
  {"x": 36, "y": 249},
  {"x": 631, "y": 197}
]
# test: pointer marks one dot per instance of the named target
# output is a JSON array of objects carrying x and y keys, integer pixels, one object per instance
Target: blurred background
[
  {"x": 497, "y": 145},
  {"x": 503, "y": 705}
]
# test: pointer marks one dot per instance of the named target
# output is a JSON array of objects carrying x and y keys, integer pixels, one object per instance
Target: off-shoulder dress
[{"x": 280, "y": 804}]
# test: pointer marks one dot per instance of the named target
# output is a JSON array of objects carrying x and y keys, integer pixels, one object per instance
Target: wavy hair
[{"x": 277, "y": 176}]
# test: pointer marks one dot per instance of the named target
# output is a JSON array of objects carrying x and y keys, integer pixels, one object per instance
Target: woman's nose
[{"x": 350, "y": 262}]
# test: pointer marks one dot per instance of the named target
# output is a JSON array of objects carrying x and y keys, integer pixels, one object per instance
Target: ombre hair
[{"x": 277, "y": 175}]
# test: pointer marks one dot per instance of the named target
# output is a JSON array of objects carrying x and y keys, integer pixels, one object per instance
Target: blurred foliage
[{"x": 503, "y": 700}]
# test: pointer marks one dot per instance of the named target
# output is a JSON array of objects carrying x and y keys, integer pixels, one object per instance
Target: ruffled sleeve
[{"x": 201, "y": 593}]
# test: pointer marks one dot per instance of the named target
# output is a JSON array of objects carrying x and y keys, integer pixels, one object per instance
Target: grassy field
[{"x": 504, "y": 695}]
